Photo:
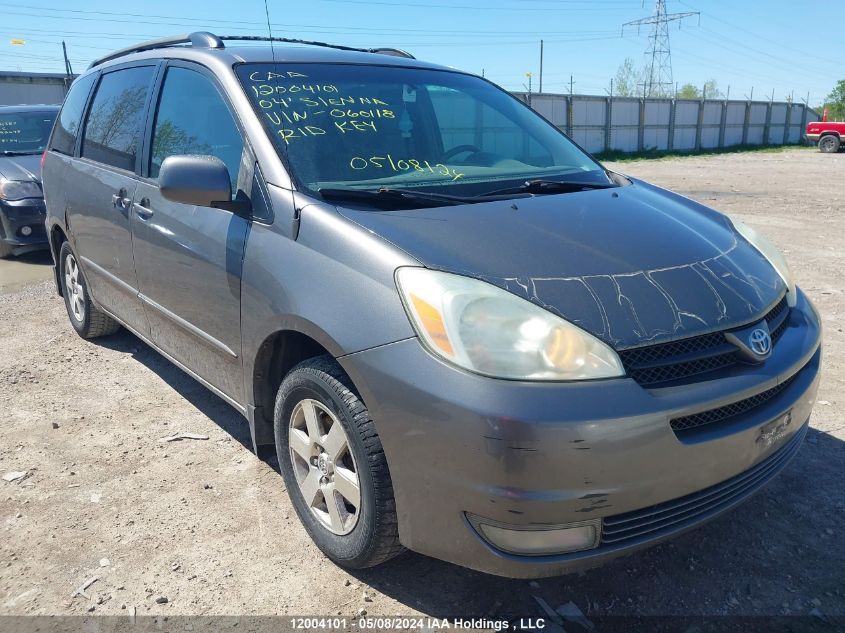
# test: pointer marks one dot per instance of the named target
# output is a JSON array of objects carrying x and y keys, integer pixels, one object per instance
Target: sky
[{"x": 774, "y": 47}]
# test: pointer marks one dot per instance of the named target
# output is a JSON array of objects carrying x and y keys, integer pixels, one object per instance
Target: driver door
[{"x": 188, "y": 258}]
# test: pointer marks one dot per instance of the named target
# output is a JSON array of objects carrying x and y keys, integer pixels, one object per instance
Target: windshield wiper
[
  {"x": 540, "y": 186},
  {"x": 392, "y": 197},
  {"x": 13, "y": 152}
]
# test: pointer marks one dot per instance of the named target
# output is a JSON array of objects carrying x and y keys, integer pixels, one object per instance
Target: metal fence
[{"x": 631, "y": 124}]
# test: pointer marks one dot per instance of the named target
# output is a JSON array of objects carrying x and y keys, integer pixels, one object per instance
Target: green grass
[{"x": 654, "y": 154}]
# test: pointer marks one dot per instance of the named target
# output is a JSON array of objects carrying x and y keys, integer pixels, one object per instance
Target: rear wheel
[
  {"x": 86, "y": 318},
  {"x": 334, "y": 467},
  {"x": 829, "y": 144}
]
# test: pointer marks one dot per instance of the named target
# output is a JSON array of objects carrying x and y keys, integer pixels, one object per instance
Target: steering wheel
[{"x": 460, "y": 149}]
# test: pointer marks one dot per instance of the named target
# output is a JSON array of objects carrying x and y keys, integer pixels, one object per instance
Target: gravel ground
[{"x": 208, "y": 526}]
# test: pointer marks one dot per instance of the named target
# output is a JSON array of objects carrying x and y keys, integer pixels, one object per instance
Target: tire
[
  {"x": 829, "y": 144},
  {"x": 86, "y": 318},
  {"x": 315, "y": 396}
]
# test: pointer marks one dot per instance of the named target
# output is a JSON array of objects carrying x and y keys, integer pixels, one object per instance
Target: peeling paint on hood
[{"x": 633, "y": 265}]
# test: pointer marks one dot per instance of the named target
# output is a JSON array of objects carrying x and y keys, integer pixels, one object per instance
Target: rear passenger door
[
  {"x": 189, "y": 258},
  {"x": 100, "y": 187}
]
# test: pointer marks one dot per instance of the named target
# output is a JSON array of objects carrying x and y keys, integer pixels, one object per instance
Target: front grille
[
  {"x": 731, "y": 410},
  {"x": 664, "y": 518},
  {"x": 684, "y": 369},
  {"x": 653, "y": 365}
]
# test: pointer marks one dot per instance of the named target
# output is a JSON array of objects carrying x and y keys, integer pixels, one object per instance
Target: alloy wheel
[
  {"x": 73, "y": 286},
  {"x": 324, "y": 467}
]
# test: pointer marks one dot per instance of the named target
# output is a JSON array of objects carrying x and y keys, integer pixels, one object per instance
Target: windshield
[
  {"x": 25, "y": 132},
  {"x": 343, "y": 126}
]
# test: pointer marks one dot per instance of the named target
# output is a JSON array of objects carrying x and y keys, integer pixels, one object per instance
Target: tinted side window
[
  {"x": 116, "y": 118},
  {"x": 70, "y": 119},
  {"x": 192, "y": 118}
]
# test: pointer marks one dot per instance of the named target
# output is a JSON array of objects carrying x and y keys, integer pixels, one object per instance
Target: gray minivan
[{"x": 461, "y": 333}]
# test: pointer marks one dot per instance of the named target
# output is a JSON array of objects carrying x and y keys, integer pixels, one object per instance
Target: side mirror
[{"x": 198, "y": 180}]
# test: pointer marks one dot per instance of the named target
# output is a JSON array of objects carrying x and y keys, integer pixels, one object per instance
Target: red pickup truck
[{"x": 828, "y": 134}]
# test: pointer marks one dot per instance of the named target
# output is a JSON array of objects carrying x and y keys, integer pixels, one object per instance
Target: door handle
[
  {"x": 120, "y": 200},
  {"x": 142, "y": 209}
]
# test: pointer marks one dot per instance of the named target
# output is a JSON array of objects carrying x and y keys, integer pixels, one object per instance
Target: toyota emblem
[{"x": 760, "y": 342}]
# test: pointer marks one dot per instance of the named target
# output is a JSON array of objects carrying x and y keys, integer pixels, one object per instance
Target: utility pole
[
  {"x": 529, "y": 75},
  {"x": 658, "y": 55},
  {"x": 570, "y": 84},
  {"x": 541, "y": 66}
]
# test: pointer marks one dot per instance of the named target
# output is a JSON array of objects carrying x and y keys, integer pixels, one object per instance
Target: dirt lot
[{"x": 209, "y": 526}]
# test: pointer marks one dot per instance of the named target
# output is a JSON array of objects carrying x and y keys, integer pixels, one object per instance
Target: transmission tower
[{"x": 658, "y": 79}]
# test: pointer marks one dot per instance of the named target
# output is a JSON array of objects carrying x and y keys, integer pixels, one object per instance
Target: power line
[
  {"x": 487, "y": 7},
  {"x": 779, "y": 43},
  {"x": 187, "y": 22},
  {"x": 745, "y": 51}
]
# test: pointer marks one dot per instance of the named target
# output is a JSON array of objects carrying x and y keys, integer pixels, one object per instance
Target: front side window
[
  {"x": 25, "y": 132},
  {"x": 116, "y": 117},
  {"x": 192, "y": 118},
  {"x": 70, "y": 119},
  {"x": 369, "y": 127}
]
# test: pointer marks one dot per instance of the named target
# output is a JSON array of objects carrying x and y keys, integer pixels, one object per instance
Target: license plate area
[{"x": 773, "y": 433}]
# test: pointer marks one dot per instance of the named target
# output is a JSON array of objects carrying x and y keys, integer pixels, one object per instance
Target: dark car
[
  {"x": 460, "y": 333},
  {"x": 24, "y": 131}
]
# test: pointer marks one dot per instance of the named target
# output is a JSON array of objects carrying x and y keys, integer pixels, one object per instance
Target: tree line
[{"x": 631, "y": 81}]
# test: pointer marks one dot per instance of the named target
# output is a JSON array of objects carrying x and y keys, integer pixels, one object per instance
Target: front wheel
[
  {"x": 334, "y": 467},
  {"x": 86, "y": 318},
  {"x": 829, "y": 144}
]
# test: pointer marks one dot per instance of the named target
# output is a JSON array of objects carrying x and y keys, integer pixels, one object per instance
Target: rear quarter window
[{"x": 70, "y": 119}]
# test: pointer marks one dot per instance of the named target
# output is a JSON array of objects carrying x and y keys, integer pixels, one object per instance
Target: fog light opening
[
  {"x": 538, "y": 540},
  {"x": 26, "y": 231}
]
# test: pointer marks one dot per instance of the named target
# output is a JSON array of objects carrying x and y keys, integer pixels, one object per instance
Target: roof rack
[
  {"x": 396, "y": 52},
  {"x": 204, "y": 39},
  {"x": 200, "y": 39}
]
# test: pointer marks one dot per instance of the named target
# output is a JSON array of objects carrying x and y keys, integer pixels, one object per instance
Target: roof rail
[
  {"x": 287, "y": 40},
  {"x": 200, "y": 39},
  {"x": 204, "y": 39},
  {"x": 396, "y": 52}
]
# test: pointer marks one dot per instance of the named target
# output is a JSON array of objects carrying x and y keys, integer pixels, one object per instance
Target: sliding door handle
[{"x": 142, "y": 209}]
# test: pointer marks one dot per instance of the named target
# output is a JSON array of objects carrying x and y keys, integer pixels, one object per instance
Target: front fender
[{"x": 334, "y": 283}]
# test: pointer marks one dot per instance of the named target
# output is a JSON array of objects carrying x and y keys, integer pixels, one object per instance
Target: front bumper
[
  {"x": 523, "y": 454},
  {"x": 17, "y": 214}
]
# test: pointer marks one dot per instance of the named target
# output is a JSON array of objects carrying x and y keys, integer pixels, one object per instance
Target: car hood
[
  {"x": 632, "y": 265},
  {"x": 27, "y": 167}
]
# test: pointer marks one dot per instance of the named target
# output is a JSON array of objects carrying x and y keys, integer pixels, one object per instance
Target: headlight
[
  {"x": 490, "y": 331},
  {"x": 19, "y": 189},
  {"x": 772, "y": 253}
]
